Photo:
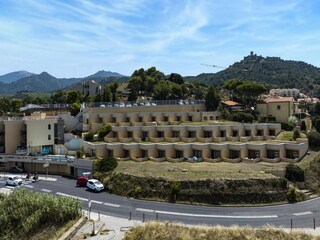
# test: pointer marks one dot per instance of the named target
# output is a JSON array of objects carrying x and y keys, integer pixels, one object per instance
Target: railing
[
  {"x": 47, "y": 158},
  {"x": 141, "y": 103}
]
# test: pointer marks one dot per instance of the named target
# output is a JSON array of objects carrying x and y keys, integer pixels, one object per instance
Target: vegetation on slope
[
  {"x": 165, "y": 231},
  {"x": 31, "y": 215},
  {"x": 274, "y": 72}
]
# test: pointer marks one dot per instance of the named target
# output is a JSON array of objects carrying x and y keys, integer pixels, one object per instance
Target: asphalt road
[{"x": 302, "y": 215}]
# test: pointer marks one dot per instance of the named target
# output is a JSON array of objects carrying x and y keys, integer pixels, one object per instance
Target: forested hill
[{"x": 274, "y": 72}]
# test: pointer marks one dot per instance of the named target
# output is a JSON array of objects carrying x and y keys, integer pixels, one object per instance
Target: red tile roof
[
  {"x": 279, "y": 99},
  {"x": 231, "y": 103}
]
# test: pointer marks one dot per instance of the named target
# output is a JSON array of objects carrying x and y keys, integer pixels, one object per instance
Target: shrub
[
  {"x": 292, "y": 120},
  {"x": 175, "y": 189},
  {"x": 104, "y": 131},
  {"x": 88, "y": 137},
  {"x": 296, "y": 134},
  {"x": 24, "y": 213},
  {"x": 314, "y": 139},
  {"x": 267, "y": 119},
  {"x": 292, "y": 195},
  {"x": 242, "y": 117},
  {"x": 104, "y": 165},
  {"x": 287, "y": 126},
  {"x": 303, "y": 126},
  {"x": 294, "y": 173}
]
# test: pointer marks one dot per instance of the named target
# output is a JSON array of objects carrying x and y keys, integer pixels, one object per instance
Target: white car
[
  {"x": 95, "y": 185},
  {"x": 14, "y": 181}
]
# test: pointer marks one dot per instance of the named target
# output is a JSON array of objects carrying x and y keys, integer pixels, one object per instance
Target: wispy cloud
[{"x": 77, "y": 37}]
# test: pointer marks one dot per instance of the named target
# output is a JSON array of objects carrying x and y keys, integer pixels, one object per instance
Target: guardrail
[{"x": 141, "y": 103}]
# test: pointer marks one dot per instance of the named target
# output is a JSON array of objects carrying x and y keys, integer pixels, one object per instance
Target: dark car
[
  {"x": 82, "y": 181},
  {"x": 16, "y": 169}
]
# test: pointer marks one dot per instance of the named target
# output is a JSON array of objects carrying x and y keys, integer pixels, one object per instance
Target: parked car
[
  {"x": 82, "y": 181},
  {"x": 16, "y": 169},
  {"x": 95, "y": 185},
  {"x": 14, "y": 181}
]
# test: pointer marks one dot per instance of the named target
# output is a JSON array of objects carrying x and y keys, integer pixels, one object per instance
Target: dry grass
[
  {"x": 287, "y": 135},
  {"x": 202, "y": 170},
  {"x": 169, "y": 231}
]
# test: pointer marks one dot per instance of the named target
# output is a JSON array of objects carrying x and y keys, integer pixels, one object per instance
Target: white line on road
[
  {"x": 28, "y": 186},
  {"x": 46, "y": 190},
  {"x": 144, "y": 210},
  {"x": 302, "y": 213},
  {"x": 216, "y": 216},
  {"x": 111, "y": 204},
  {"x": 76, "y": 197},
  {"x": 97, "y": 202},
  {"x": 10, "y": 187}
]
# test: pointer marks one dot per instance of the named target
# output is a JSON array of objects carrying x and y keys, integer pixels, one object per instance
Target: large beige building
[
  {"x": 184, "y": 132},
  {"x": 33, "y": 134},
  {"x": 280, "y": 107}
]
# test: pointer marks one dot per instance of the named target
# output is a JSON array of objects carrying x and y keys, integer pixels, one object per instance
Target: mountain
[
  {"x": 274, "y": 72},
  {"x": 14, "y": 76},
  {"x": 105, "y": 74},
  {"x": 42, "y": 82}
]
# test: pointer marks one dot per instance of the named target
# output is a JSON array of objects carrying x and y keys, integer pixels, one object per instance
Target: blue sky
[{"x": 76, "y": 38}]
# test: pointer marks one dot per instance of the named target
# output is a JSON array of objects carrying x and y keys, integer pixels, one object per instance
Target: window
[
  {"x": 144, "y": 153},
  {"x": 205, "y": 119},
  {"x": 272, "y": 132},
  {"x": 49, "y": 137},
  {"x": 197, "y": 153},
  {"x": 278, "y": 107},
  {"x": 259, "y": 132},
  {"x": 191, "y": 134},
  {"x": 215, "y": 154},
  {"x": 222, "y": 133},
  {"x": 161, "y": 153},
  {"x": 179, "y": 154},
  {"x": 190, "y": 118},
  {"x": 178, "y": 118},
  {"x": 234, "y": 133},
  {"x": 166, "y": 119},
  {"x": 153, "y": 119},
  {"x": 140, "y": 119},
  {"x": 129, "y": 134},
  {"x": 207, "y": 134},
  {"x": 49, "y": 126},
  {"x": 253, "y": 154},
  {"x": 234, "y": 154},
  {"x": 126, "y": 153},
  {"x": 160, "y": 134},
  {"x": 176, "y": 134},
  {"x": 248, "y": 133}
]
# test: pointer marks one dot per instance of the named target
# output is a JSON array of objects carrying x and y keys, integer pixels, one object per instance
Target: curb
[{"x": 73, "y": 230}]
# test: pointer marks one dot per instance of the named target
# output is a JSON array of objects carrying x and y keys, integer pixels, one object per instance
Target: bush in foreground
[
  {"x": 164, "y": 231},
  {"x": 24, "y": 213}
]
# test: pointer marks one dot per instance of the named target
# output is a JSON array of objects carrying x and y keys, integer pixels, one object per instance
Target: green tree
[
  {"x": 176, "y": 78},
  {"x": 113, "y": 87},
  {"x": 59, "y": 97},
  {"x": 161, "y": 90},
  {"x": 212, "y": 99},
  {"x": 73, "y": 96},
  {"x": 107, "y": 95},
  {"x": 176, "y": 91}
]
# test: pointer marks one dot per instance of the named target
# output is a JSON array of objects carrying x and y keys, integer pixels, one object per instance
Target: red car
[{"x": 82, "y": 181}]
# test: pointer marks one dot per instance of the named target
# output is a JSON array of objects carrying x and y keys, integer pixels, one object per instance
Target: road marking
[
  {"x": 46, "y": 190},
  {"x": 144, "y": 210},
  {"x": 97, "y": 202},
  {"x": 28, "y": 186},
  {"x": 302, "y": 213},
  {"x": 76, "y": 197},
  {"x": 10, "y": 187},
  {"x": 111, "y": 204},
  {"x": 216, "y": 216}
]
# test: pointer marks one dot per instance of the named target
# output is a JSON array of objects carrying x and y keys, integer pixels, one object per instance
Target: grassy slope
[
  {"x": 202, "y": 170},
  {"x": 164, "y": 231}
]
